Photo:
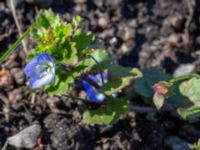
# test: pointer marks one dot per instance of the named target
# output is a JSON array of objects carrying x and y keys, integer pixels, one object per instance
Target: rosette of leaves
[{"x": 69, "y": 46}]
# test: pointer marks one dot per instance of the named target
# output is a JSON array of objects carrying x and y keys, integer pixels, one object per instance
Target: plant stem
[
  {"x": 141, "y": 109},
  {"x": 16, "y": 44}
]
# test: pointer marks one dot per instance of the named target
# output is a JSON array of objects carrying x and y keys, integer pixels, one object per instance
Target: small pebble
[
  {"x": 113, "y": 41},
  {"x": 176, "y": 21},
  {"x": 5, "y": 78},
  {"x": 18, "y": 75},
  {"x": 15, "y": 96},
  {"x": 102, "y": 22},
  {"x": 183, "y": 69},
  {"x": 174, "y": 38},
  {"x": 27, "y": 138}
]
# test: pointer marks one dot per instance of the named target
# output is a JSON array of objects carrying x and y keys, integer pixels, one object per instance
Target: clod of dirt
[{"x": 26, "y": 138}]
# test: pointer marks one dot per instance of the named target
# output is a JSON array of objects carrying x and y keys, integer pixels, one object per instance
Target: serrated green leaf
[
  {"x": 63, "y": 30},
  {"x": 144, "y": 85},
  {"x": 48, "y": 19},
  {"x": 192, "y": 113},
  {"x": 107, "y": 114},
  {"x": 191, "y": 89},
  {"x": 82, "y": 40},
  {"x": 76, "y": 21}
]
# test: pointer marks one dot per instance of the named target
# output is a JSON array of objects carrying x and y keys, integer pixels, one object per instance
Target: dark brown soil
[{"x": 141, "y": 33}]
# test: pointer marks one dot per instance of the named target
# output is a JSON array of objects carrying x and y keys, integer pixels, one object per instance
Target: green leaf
[
  {"x": 63, "y": 80},
  {"x": 60, "y": 85},
  {"x": 76, "y": 21},
  {"x": 144, "y": 85},
  {"x": 191, "y": 89},
  {"x": 63, "y": 30},
  {"x": 192, "y": 113},
  {"x": 158, "y": 100},
  {"x": 119, "y": 78},
  {"x": 94, "y": 58},
  {"x": 107, "y": 114},
  {"x": 48, "y": 19},
  {"x": 114, "y": 86},
  {"x": 195, "y": 146},
  {"x": 82, "y": 40},
  {"x": 175, "y": 98}
]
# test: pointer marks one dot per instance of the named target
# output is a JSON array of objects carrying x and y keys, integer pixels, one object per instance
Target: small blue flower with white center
[
  {"x": 91, "y": 92},
  {"x": 40, "y": 70}
]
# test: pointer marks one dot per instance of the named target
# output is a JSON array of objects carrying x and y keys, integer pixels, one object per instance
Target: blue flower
[
  {"x": 40, "y": 70},
  {"x": 91, "y": 92}
]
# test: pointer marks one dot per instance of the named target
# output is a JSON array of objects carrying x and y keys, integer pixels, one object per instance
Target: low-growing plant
[{"x": 66, "y": 54}]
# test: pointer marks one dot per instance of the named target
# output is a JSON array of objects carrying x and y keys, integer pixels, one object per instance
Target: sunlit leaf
[
  {"x": 191, "y": 89},
  {"x": 191, "y": 113},
  {"x": 107, "y": 114}
]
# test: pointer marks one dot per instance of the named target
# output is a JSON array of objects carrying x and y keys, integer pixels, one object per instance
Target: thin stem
[
  {"x": 16, "y": 44},
  {"x": 141, "y": 109},
  {"x": 17, "y": 24}
]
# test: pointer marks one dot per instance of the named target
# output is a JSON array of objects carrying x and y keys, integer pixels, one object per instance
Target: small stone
[
  {"x": 80, "y": 8},
  {"x": 98, "y": 3},
  {"x": 27, "y": 138},
  {"x": 183, "y": 69},
  {"x": 113, "y": 41},
  {"x": 176, "y": 21},
  {"x": 102, "y": 22},
  {"x": 129, "y": 33},
  {"x": 174, "y": 39},
  {"x": 124, "y": 49},
  {"x": 176, "y": 143},
  {"x": 166, "y": 23},
  {"x": 106, "y": 146},
  {"x": 18, "y": 75},
  {"x": 5, "y": 78},
  {"x": 15, "y": 96},
  {"x": 133, "y": 23},
  {"x": 127, "y": 47}
]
